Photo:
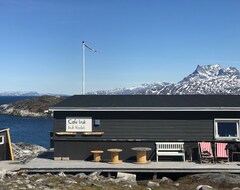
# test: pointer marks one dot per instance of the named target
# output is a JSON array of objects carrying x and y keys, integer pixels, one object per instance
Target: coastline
[
  {"x": 7, "y": 109},
  {"x": 31, "y": 107}
]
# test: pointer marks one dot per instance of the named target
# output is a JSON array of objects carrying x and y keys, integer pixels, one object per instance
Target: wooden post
[
  {"x": 10, "y": 145},
  {"x": 154, "y": 176}
]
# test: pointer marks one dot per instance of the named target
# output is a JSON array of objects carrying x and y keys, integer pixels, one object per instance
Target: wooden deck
[
  {"x": 42, "y": 165},
  {"x": 45, "y": 163}
]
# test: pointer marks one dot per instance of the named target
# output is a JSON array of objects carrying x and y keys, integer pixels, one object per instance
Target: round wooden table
[
  {"x": 141, "y": 154},
  {"x": 97, "y": 155},
  {"x": 114, "y": 155}
]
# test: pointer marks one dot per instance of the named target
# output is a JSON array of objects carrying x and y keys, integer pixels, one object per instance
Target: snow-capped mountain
[
  {"x": 208, "y": 79},
  {"x": 152, "y": 88},
  {"x": 30, "y": 93},
  {"x": 19, "y": 93}
]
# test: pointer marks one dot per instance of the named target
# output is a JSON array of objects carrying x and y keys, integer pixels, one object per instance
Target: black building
[
  {"x": 88, "y": 122},
  {"x": 5, "y": 145}
]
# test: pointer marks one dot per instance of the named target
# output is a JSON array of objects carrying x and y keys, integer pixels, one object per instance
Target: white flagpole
[{"x": 83, "y": 64}]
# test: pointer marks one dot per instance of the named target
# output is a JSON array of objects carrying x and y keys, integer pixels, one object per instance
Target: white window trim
[
  {"x": 2, "y": 141},
  {"x": 223, "y": 120}
]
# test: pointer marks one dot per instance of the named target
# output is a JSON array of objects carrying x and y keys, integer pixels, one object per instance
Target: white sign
[{"x": 79, "y": 124}]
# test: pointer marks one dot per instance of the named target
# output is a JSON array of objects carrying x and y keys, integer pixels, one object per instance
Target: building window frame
[
  {"x": 226, "y": 120},
  {"x": 1, "y": 139}
]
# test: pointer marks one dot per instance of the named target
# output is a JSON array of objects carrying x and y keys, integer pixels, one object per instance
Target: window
[
  {"x": 226, "y": 129},
  {"x": 1, "y": 139},
  {"x": 97, "y": 122}
]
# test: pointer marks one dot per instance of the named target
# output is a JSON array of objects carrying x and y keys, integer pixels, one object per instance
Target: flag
[{"x": 89, "y": 47}]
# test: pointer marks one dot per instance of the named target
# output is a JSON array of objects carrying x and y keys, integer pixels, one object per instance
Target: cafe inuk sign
[{"x": 79, "y": 124}]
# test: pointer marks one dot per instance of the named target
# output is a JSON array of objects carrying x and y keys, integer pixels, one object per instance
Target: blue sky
[{"x": 138, "y": 41}]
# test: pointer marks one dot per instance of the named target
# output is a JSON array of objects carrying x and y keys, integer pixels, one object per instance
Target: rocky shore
[
  {"x": 34, "y": 107},
  {"x": 25, "y": 151},
  {"x": 96, "y": 181}
]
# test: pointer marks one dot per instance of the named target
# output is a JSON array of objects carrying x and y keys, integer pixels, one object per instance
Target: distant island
[
  {"x": 28, "y": 93},
  {"x": 19, "y": 93},
  {"x": 33, "y": 107}
]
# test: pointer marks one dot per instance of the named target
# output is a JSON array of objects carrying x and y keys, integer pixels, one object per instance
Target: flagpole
[
  {"x": 83, "y": 68},
  {"x": 84, "y": 45}
]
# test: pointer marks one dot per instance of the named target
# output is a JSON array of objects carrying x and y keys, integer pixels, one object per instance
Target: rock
[
  {"x": 177, "y": 184},
  {"x": 70, "y": 181},
  {"x": 83, "y": 184},
  {"x": 35, "y": 107},
  {"x": 50, "y": 185},
  {"x": 39, "y": 181},
  {"x": 110, "y": 180},
  {"x": 127, "y": 178},
  {"x": 98, "y": 185},
  {"x": 148, "y": 188},
  {"x": 218, "y": 178},
  {"x": 2, "y": 174},
  {"x": 45, "y": 188},
  {"x": 127, "y": 186},
  {"x": 30, "y": 186},
  {"x": 27, "y": 181},
  {"x": 236, "y": 188},
  {"x": 25, "y": 151},
  {"x": 204, "y": 187},
  {"x": 62, "y": 174},
  {"x": 22, "y": 173},
  {"x": 94, "y": 175},
  {"x": 165, "y": 180},
  {"x": 19, "y": 181},
  {"x": 11, "y": 174},
  {"x": 29, "y": 148},
  {"x": 152, "y": 184},
  {"x": 22, "y": 188},
  {"x": 81, "y": 176},
  {"x": 35, "y": 175},
  {"x": 89, "y": 183}
]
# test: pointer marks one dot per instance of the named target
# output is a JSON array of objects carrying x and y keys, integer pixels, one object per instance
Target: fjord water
[{"x": 26, "y": 129}]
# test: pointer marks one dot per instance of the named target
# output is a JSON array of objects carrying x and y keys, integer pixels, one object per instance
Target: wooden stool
[
  {"x": 96, "y": 155},
  {"x": 115, "y": 155},
  {"x": 141, "y": 154}
]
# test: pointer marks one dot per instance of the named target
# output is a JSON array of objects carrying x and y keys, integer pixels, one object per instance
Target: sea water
[{"x": 26, "y": 129}]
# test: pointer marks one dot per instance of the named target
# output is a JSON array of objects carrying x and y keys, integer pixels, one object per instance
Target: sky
[{"x": 137, "y": 41}]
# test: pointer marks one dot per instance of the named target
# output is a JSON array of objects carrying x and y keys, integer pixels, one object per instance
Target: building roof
[
  {"x": 149, "y": 103},
  {"x": 3, "y": 129}
]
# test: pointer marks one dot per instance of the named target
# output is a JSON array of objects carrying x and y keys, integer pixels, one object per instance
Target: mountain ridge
[
  {"x": 28, "y": 93},
  {"x": 207, "y": 79},
  {"x": 19, "y": 93}
]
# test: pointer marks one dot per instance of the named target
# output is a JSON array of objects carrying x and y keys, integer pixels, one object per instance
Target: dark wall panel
[
  {"x": 82, "y": 150},
  {"x": 76, "y": 150},
  {"x": 153, "y": 126},
  {"x": 182, "y": 115},
  {"x": 133, "y": 129},
  {"x": 147, "y": 129}
]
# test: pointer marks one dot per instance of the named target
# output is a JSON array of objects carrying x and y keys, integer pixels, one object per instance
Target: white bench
[{"x": 170, "y": 149}]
